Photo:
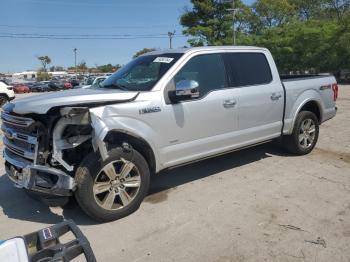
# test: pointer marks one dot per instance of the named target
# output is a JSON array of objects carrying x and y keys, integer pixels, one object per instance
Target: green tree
[
  {"x": 44, "y": 60},
  {"x": 207, "y": 23},
  {"x": 144, "y": 51},
  {"x": 337, "y": 8},
  {"x": 108, "y": 68},
  {"x": 303, "y": 46},
  {"x": 299, "y": 33},
  {"x": 56, "y": 68},
  {"x": 82, "y": 66},
  {"x": 42, "y": 76},
  {"x": 308, "y": 9},
  {"x": 274, "y": 12}
]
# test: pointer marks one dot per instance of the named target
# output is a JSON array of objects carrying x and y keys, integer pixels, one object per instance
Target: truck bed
[{"x": 301, "y": 88}]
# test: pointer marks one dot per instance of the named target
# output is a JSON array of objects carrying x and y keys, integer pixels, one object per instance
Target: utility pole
[
  {"x": 75, "y": 59},
  {"x": 171, "y": 35},
  {"x": 234, "y": 11}
]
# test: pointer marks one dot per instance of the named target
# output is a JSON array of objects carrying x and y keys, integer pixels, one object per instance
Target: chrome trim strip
[
  {"x": 18, "y": 150},
  {"x": 13, "y": 159},
  {"x": 16, "y": 120},
  {"x": 12, "y": 134}
]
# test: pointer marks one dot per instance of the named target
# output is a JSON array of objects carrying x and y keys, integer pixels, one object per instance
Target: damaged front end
[{"x": 42, "y": 152}]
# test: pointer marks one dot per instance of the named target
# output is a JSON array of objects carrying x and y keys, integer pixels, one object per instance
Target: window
[
  {"x": 245, "y": 69},
  {"x": 207, "y": 70}
]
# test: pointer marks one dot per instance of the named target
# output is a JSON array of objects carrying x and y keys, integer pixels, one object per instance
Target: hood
[{"x": 40, "y": 104}]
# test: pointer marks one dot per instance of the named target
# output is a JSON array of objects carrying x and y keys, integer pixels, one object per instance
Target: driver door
[{"x": 202, "y": 126}]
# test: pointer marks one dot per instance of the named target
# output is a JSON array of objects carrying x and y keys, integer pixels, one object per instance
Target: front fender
[{"x": 125, "y": 124}]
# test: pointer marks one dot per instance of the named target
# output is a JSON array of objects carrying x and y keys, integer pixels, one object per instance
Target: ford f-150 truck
[{"x": 161, "y": 110}]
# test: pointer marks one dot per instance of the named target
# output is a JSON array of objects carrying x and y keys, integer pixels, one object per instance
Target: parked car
[
  {"x": 43, "y": 86},
  {"x": 56, "y": 85},
  {"x": 96, "y": 82},
  {"x": 21, "y": 88},
  {"x": 67, "y": 85},
  {"x": 33, "y": 86},
  {"x": 161, "y": 110},
  {"x": 6, "y": 92},
  {"x": 74, "y": 82}
]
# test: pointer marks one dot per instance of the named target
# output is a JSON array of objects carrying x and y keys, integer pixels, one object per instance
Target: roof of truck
[{"x": 204, "y": 48}]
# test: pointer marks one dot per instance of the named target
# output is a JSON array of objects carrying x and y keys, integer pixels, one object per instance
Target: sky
[{"x": 145, "y": 22}]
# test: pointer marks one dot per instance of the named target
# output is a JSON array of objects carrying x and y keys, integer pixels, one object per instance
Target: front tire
[
  {"x": 112, "y": 189},
  {"x": 305, "y": 134}
]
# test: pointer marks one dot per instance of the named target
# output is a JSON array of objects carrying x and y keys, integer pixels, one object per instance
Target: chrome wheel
[
  {"x": 117, "y": 184},
  {"x": 307, "y": 133}
]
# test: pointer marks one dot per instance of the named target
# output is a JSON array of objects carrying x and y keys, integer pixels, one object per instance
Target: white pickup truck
[{"x": 161, "y": 110}]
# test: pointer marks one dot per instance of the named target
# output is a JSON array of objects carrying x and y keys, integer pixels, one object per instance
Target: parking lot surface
[{"x": 259, "y": 204}]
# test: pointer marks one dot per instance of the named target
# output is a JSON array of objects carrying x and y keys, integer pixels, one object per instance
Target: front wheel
[
  {"x": 114, "y": 188},
  {"x": 305, "y": 134}
]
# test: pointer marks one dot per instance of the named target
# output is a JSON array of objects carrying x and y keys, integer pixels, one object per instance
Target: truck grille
[{"x": 20, "y": 137}]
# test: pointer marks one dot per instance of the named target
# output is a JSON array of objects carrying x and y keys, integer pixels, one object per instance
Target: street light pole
[
  {"x": 233, "y": 10},
  {"x": 233, "y": 22},
  {"x": 171, "y": 35},
  {"x": 75, "y": 59}
]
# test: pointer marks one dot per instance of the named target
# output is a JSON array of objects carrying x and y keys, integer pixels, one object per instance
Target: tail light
[{"x": 335, "y": 91}]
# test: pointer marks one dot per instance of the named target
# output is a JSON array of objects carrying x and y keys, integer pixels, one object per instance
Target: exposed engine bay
[{"x": 42, "y": 152}]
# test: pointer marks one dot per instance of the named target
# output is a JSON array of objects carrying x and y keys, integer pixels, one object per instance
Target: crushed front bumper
[{"x": 38, "y": 178}]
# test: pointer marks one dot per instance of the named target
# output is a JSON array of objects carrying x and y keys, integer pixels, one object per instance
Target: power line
[
  {"x": 87, "y": 27},
  {"x": 57, "y": 37},
  {"x": 82, "y": 35}
]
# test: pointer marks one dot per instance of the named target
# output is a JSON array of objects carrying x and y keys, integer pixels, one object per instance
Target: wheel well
[
  {"x": 313, "y": 107},
  {"x": 116, "y": 138},
  {"x": 4, "y": 95}
]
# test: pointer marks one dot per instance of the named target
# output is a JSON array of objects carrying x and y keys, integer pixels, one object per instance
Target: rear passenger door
[{"x": 261, "y": 98}]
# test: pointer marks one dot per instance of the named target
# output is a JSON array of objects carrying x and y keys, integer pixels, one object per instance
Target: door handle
[
  {"x": 229, "y": 103},
  {"x": 275, "y": 96}
]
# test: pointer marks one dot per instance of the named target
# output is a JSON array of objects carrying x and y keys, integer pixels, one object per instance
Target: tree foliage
[
  {"x": 82, "y": 66},
  {"x": 208, "y": 23},
  {"x": 144, "y": 51},
  {"x": 56, "y": 68},
  {"x": 42, "y": 76},
  {"x": 108, "y": 68},
  {"x": 44, "y": 60},
  {"x": 299, "y": 33}
]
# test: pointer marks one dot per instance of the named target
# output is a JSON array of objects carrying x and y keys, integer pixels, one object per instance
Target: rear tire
[
  {"x": 112, "y": 189},
  {"x": 305, "y": 134}
]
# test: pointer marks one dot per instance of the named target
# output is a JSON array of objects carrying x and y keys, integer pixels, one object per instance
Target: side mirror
[{"x": 184, "y": 89}]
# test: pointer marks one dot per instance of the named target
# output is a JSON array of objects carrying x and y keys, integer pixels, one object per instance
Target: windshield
[{"x": 142, "y": 73}]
